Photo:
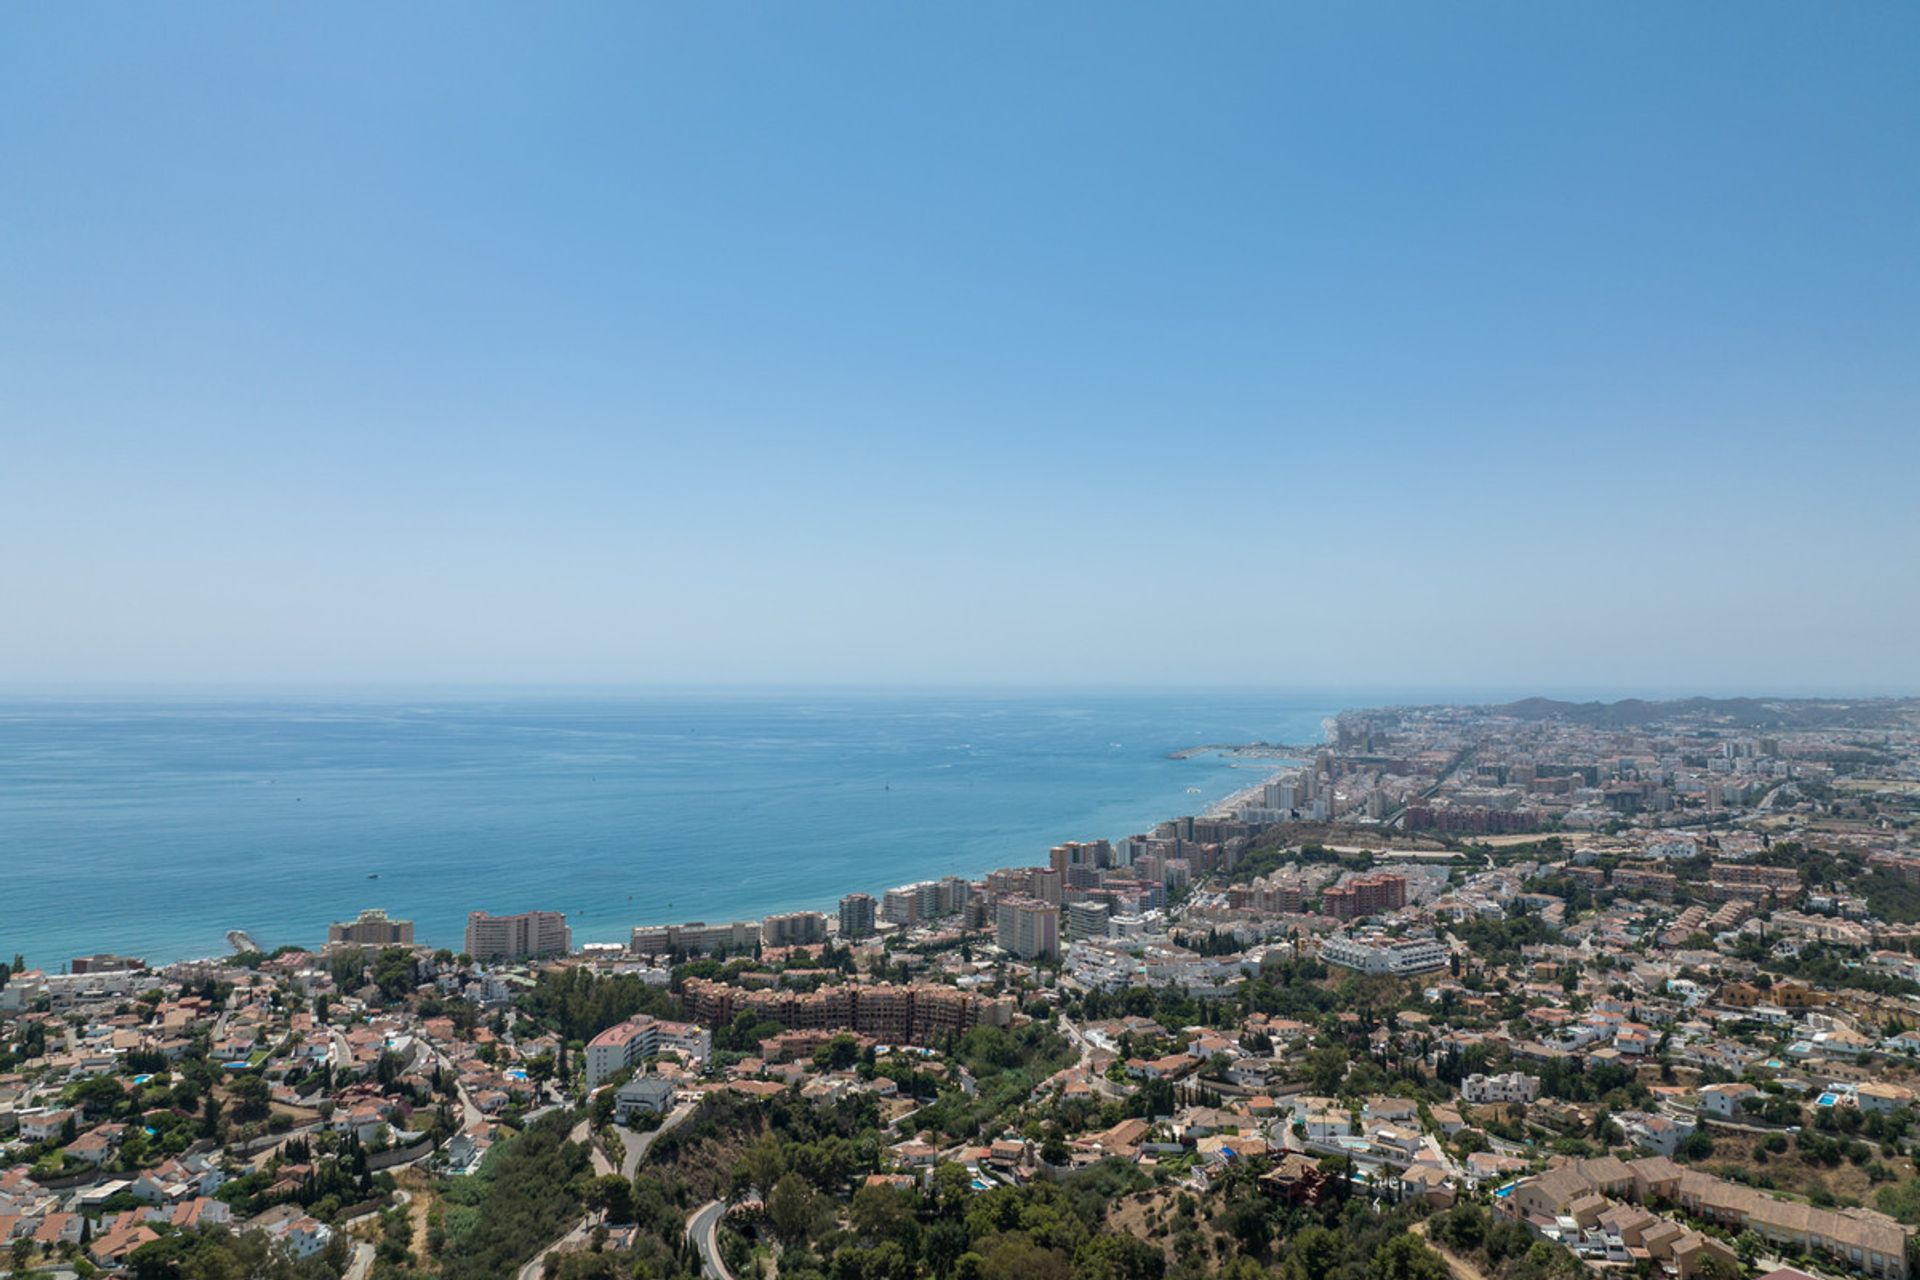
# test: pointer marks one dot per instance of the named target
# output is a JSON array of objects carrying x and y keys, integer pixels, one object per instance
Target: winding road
[
  {"x": 637, "y": 1147},
  {"x": 703, "y": 1228}
]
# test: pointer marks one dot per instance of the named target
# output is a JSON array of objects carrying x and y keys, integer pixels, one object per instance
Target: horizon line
[{"x": 1478, "y": 691}]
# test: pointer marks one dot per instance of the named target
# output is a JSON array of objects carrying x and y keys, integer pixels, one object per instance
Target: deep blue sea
[{"x": 152, "y": 826}]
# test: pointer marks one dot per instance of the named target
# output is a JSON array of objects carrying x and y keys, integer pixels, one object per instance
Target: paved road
[
  {"x": 703, "y": 1228},
  {"x": 638, "y": 1144},
  {"x": 583, "y": 1133},
  {"x": 362, "y": 1263},
  {"x": 578, "y": 1235},
  {"x": 637, "y": 1147}
]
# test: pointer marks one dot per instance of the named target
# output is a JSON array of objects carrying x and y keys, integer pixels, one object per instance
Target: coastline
[
  {"x": 277, "y": 822},
  {"x": 1219, "y": 808},
  {"x": 1242, "y": 798}
]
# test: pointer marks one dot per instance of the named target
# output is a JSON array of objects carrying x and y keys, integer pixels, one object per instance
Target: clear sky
[{"x": 1381, "y": 344}]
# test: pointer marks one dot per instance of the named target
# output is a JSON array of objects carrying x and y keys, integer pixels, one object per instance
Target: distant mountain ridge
[{"x": 1732, "y": 713}]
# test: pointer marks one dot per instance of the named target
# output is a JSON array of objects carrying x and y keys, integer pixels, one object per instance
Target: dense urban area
[{"x": 1461, "y": 993}]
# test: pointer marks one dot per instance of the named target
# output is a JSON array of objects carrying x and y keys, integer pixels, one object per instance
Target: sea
[{"x": 151, "y": 825}]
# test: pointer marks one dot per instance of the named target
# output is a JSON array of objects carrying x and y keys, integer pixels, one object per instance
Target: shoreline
[
  {"x": 1219, "y": 807},
  {"x": 1242, "y": 798}
]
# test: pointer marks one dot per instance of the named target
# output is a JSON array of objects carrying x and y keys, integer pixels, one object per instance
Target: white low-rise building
[
  {"x": 1378, "y": 953},
  {"x": 1511, "y": 1086},
  {"x": 1102, "y": 967}
]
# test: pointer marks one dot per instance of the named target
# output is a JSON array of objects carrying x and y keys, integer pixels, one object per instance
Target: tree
[
  {"x": 210, "y": 1117},
  {"x": 882, "y": 1213},
  {"x": 613, "y": 1195},
  {"x": 791, "y": 1208},
  {"x": 1118, "y": 1257},
  {"x": 1464, "y": 1227},
  {"x": 762, "y": 1164},
  {"x": 1711, "y": 1266},
  {"x": 393, "y": 972},
  {"x": 1246, "y": 1218},
  {"x": 1326, "y": 1068},
  {"x": 347, "y": 967},
  {"x": 885, "y": 1261},
  {"x": 389, "y": 1067},
  {"x": 1695, "y": 1146},
  {"x": 251, "y": 1096},
  {"x": 1313, "y": 1254},
  {"x": 1404, "y": 1257},
  {"x": 1015, "y": 1256},
  {"x": 98, "y": 1095},
  {"x": 837, "y": 1054}
]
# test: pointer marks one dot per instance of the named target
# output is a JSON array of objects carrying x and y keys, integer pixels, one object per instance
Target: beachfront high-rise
[
  {"x": 696, "y": 937},
  {"x": 901, "y": 906},
  {"x": 856, "y": 916},
  {"x": 526, "y": 936},
  {"x": 793, "y": 929},
  {"x": 372, "y": 928}
]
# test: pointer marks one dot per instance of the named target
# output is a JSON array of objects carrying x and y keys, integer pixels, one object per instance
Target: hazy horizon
[
  {"x": 1501, "y": 346},
  {"x": 1463, "y": 694}
]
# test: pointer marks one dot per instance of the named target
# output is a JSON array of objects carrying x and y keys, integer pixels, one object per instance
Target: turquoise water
[{"x": 152, "y": 827}]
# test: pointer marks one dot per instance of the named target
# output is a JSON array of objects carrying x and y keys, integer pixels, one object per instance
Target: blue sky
[{"x": 1378, "y": 345}]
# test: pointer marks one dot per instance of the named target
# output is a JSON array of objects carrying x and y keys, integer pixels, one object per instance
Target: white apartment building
[
  {"x": 697, "y": 937},
  {"x": 1104, "y": 968},
  {"x": 1027, "y": 927},
  {"x": 794, "y": 929},
  {"x": 637, "y": 1039},
  {"x": 901, "y": 906},
  {"x": 1087, "y": 920},
  {"x": 1512, "y": 1086},
  {"x": 1378, "y": 953},
  {"x": 528, "y": 935}
]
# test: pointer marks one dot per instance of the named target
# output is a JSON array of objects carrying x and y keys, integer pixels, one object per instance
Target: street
[
  {"x": 637, "y": 1147},
  {"x": 703, "y": 1228}
]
